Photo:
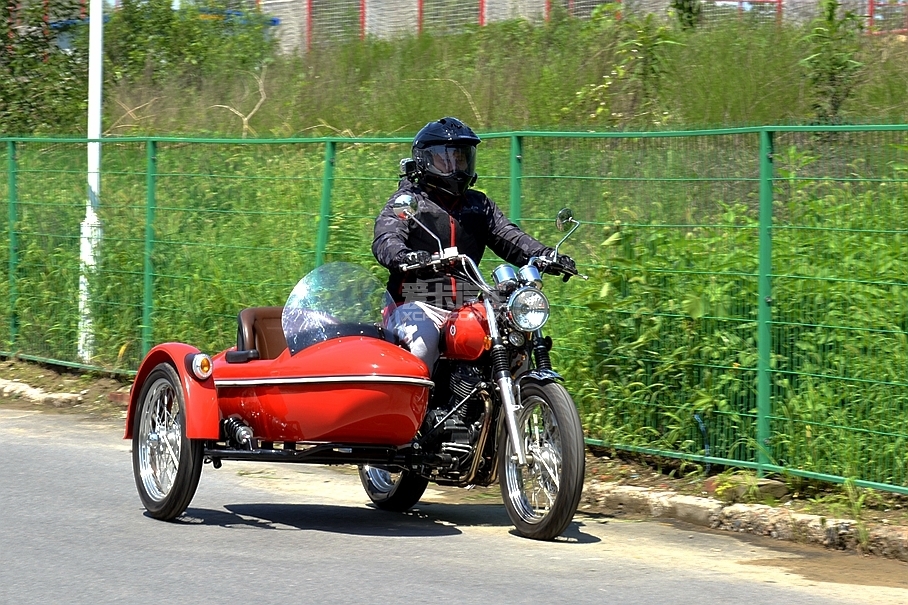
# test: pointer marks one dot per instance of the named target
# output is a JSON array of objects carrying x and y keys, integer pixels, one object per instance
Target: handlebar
[
  {"x": 472, "y": 273},
  {"x": 440, "y": 264}
]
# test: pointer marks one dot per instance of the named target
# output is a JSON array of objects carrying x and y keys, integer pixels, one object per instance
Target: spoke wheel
[
  {"x": 542, "y": 497},
  {"x": 166, "y": 464},
  {"x": 393, "y": 490}
]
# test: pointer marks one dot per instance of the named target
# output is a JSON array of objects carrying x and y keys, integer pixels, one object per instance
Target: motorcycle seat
[{"x": 260, "y": 328}]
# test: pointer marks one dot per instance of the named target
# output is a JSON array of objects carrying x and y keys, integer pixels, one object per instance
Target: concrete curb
[{"x": 756, "y": 519}]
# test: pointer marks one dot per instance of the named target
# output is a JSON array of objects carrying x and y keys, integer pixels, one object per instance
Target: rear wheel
[
  {"x": 166, "y": 464},
  {"x": 542, "y": 496},
  {"x": 392, "y": 490}
]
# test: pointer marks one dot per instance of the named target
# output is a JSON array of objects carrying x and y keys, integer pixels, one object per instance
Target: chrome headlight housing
[{"x": 528, "y": 309}]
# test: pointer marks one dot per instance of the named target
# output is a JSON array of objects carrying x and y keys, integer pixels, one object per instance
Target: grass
[{"x": 566, "y": 74}]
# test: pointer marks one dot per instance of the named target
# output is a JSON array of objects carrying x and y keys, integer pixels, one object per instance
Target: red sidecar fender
[
  {"x": 202, "y": 416},
  {"x": 351, "y": 389}
]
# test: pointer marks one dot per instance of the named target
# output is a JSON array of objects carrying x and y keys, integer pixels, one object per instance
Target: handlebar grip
[
  {"x": 432, "y": 265},
  {"x": 564, "y": 272}
]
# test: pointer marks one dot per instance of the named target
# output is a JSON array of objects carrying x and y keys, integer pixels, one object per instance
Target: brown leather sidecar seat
[{"x": 260, "y": 328}]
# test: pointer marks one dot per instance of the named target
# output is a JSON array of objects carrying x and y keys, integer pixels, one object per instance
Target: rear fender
[{"x": 202, "y": 414}]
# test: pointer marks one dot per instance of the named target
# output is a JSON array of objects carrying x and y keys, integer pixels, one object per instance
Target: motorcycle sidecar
[{"x": 347, "y": 396}]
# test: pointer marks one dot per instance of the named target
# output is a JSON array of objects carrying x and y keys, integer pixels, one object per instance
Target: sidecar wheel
[
  {"x": 542, "y": 497},
  {"x": 166, "y": 464},
  {"x": 395, "y": 491}
]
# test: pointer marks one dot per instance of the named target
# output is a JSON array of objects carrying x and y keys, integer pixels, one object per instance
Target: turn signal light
[{"x": 202, "y": 366}]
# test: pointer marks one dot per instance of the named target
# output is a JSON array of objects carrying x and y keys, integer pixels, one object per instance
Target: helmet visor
[{"x": 445, "y": 161}]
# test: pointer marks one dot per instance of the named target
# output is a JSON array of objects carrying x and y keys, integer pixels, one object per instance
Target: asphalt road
[{"x": 72, "y": 530}]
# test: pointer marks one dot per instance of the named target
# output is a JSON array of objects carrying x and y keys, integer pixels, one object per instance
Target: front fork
[{"x": 501, "y": 372}]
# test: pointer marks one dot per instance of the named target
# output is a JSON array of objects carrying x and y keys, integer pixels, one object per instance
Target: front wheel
[
  {"x": 392, "y": 490},
  {"x": 166, "y": 464},
  {"x": 542, "y": 497}
]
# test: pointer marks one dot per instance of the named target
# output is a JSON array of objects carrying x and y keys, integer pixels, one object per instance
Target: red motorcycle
[{"x": 323, "y": 381}]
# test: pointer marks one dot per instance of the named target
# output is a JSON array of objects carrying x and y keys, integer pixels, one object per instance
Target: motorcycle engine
[{"x": 452, "y": 424}]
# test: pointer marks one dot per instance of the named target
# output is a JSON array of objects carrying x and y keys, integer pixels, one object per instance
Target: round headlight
[{"x": 528, "y": 309}]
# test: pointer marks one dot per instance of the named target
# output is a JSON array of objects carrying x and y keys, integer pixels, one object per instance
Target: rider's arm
[
  {"x": 390, "y": 236},
  {"x": 507, "y": 240}
]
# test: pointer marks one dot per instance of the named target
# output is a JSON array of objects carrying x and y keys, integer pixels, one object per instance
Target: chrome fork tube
[{"x": 505, "y": 384}]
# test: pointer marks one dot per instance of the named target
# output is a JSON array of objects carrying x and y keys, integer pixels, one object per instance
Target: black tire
[
  {"x": 165, "y": 463},
  {"x": 395, "y": 491},
  {"x": 542, "y": 497}
]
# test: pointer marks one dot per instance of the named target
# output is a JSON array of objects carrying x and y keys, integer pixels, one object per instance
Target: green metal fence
[{"x": 748, "y": 299}]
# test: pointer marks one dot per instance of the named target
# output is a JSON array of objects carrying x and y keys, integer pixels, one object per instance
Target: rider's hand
[
  {"x": 562, "y": 264},
  {"x": 413, "y": 257},
  {"x": 568, "y": 265}
]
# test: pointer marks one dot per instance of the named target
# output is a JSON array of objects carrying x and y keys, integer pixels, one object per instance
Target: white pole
[{"x": 91, "y": 226}]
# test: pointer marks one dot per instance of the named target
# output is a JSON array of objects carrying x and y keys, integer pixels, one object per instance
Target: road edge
[{"x": 756, "y": 519}]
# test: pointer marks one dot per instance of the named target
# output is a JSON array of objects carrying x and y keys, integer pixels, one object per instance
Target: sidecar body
[{"x": 299, "y": 377}]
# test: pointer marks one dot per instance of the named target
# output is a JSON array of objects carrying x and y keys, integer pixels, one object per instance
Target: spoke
[
  {"x": 535, "y": 421},
  {"x": 552, "y": 472},
  {"x": 167, "y": 416},
  {"x": 536, "y": 487},
  {"x": 537, "y": 504},
  {"x": 163, "y": 458},
  {"x": 173, "y": 455}
]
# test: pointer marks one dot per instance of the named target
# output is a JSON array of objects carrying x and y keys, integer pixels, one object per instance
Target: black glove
[
  {"x": 412, "y": 257},
  {"x": 567, "y": 262},
  {"x": 562, "y": 264}
]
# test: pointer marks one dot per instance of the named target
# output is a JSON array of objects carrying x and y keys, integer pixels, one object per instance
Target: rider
[{"x": 439, "y": 177}]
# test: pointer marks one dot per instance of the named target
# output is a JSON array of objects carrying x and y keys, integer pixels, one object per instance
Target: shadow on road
[
  {"x": 426, "y": 520},
  {"x": 319, "y": 517}
]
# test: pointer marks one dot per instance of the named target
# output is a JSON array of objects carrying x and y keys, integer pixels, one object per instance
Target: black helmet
[{"x": 445, "y": 155}]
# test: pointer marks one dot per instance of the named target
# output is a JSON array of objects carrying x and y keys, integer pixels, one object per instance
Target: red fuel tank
[{"x": 466, "y": 333}]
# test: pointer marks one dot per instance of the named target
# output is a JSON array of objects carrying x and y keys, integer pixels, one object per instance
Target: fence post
[
  {"x": 764, "y": 293},
  {"x": 325, "y": 211},
  {"x": 516, "y": 178},
  {"x": 13, "y": 244},
  {"x": 151, "y": 177}
]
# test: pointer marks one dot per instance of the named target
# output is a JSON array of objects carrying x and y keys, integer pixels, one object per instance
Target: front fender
[
  {"x": 202, "y": 414},
  {"x": 542, "y": 375}
]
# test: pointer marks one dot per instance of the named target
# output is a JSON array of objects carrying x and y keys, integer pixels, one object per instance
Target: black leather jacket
[{"x": 470, "y": 222}]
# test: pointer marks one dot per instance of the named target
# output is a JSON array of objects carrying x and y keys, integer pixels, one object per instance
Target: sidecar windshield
[{"x": 337, "y": 299}]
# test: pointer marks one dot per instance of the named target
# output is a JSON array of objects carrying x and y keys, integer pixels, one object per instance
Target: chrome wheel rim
[
  {"x": 159, "y": 439},
  {"x": 533, "y": 489},
  {"x": 381, "y": 479}
]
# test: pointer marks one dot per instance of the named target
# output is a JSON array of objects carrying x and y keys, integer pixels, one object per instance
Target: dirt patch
[
  {"x": 841, "y": 568},
  {"x": 96, "y": 395}
]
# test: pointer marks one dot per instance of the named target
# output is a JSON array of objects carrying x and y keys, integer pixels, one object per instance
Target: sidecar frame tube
[{"x": 323, "y": 453}]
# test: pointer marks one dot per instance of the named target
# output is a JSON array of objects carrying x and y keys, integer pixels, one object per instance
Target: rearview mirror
[
  {"x": 405, "y": 207},
  {"x": 565, "y": 215}
]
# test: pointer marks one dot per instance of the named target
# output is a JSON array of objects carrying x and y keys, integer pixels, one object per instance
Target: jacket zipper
[{"x": 453, "y": 281}]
